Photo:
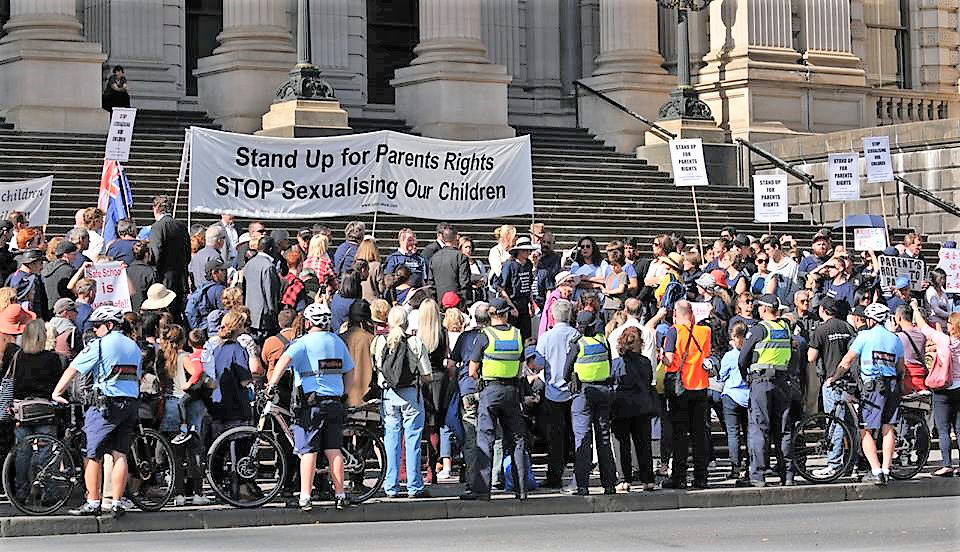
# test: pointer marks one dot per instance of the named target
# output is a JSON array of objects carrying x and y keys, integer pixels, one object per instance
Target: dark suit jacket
[
  {"x": 449, "y": 271},
  {"x": 170, "y": 247},
  {"x": 262, "y": 291}
]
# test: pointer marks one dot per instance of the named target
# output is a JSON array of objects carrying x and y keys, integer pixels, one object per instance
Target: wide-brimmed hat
[
  {"x": 707, "y": 282},
  {"x": 562, "y": 277},
  {"x": 64, "y": 304},
  {"x": 14, "y": 319},
  {"x": 30, "y": 256},
  {"x": 158, "y": 297},
  {"x": 673, "y": 260},
  {"x": 523, "y": 244}
]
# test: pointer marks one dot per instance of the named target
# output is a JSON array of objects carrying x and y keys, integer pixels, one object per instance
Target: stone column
[
  {"x": 827, "y": 33},
  {"x": 937, "y": 42},
  {"x": 237, "y": 84},
  {"x": 628, "y": 70},
  {"x": 134, "y": 38},
  {"x": 49, "y": 76},
  {"x": 332, "y": 24},
  {"x": 450, "y": 90}
]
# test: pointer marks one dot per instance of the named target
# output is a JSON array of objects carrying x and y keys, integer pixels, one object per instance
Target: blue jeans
[
  {"x": 172, "y": 419},
  {"x": 735, "y": 420},
  {"x": 946, "y": 413},
  {"x": 446, "y": 442},
  {"x": 402, "y": 411},
  {"x": 24, "y": 460},
  {"x": 832, "y": 396}
]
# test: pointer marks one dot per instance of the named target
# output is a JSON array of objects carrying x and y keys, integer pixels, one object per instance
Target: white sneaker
[
  {"x": 828, "y": 471},
  {"x": 199, "y": 500},
  {"x": 444, "y": 474},
  {"x": 124, "y": 503},
  {"x": 179, "y": 500}
]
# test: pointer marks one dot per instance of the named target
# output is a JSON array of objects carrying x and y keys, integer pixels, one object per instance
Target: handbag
[
  {"x": 6, "y": 391},
  {"x": 32, "y": 411},
  {"x": 673, "y": 381},
  {"x": 939, "y": 375}
]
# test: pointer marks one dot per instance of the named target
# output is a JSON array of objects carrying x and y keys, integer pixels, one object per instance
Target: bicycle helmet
[
  {"x": 878, "y": 312},
  {"x": 318, "y": 314},
  {"x": 106, "y": 313}
]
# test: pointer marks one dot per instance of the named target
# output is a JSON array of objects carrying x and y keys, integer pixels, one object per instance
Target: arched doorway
[
  {"x": 204, "y": 21},
  {"x": 393, "y": 29}
]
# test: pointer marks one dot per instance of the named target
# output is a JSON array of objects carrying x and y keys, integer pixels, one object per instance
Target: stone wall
[{"x": 927, "y": 154}]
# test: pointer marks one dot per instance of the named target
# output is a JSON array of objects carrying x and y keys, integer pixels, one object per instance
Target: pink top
[{"x": 948, "y": 350}]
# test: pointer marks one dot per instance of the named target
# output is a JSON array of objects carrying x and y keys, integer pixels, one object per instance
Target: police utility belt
[
  {"x": 874, "y": 383},
  {"x": 484, "y": 382},
  {"x": 765, "y": 372}
]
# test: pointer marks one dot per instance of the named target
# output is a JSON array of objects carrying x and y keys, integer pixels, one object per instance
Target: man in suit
[
  {"x": 262, "y": 289},
  {"x": 449, "y": 268},
  {"x": 170, "y": 249}
]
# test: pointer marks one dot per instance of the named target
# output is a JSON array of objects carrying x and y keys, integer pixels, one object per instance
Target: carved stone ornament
[
  {"x": 305, "y": 83},
  {"x": 684, "y": 104}
]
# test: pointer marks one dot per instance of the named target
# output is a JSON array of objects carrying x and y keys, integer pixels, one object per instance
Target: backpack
[
  {"x": 399, "y": 367},
  {"x": 198, "y": 306},
  {"x": 675, "y": 291}
]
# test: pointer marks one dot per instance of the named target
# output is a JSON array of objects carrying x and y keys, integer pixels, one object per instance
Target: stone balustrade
[{"x": 906, "y": 106}]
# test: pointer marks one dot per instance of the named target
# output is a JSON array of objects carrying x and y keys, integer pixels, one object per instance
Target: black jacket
[
  {"x": 170, "y": 247},
  {"x": 449, "y": 271},
  {"x": 56, "y": 276}
]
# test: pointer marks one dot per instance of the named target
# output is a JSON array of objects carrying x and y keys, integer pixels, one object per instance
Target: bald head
[
  {"x": 632, "y": 306},
  {"x": 683, "y": 312},
  {"x": 78, "y": 218}
]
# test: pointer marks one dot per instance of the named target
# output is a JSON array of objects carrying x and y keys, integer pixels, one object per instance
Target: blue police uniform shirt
[
  {"x": 413, "y": 261},
  {"x": 319, "y": 361},
  {"x": 111, "y": 358},
  {"x": 461, "y": 354},
  {"x": 879, "y": 350}
]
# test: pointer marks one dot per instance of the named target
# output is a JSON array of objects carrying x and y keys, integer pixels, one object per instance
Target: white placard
[
  {"x": 893, "y": 267},
  {"x": 870, "y": 239},
  {"x": 770, "y": 202},
  {"x": 689, "y": 168},
  {"x": 950, "y": 263},
  {"x": 844, "y": 176},
  {"x": 120, "y": 134},
  {"x": 390, "y": 172},
  {"x": 876, "y": 153},
  {"x": 31, "y": 197},
  {"x": 112, "y": 286},
  {"x": 701, "y": 310}
]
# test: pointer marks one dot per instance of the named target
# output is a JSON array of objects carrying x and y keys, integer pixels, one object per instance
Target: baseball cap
[
  {"x": 891, "y": 251},
  {"x": 719, "y": 276},
  {"x": 65, "y": 247},
  {"x": 741, "y": 240},
  {"x": 450, "y": 299},
  {"x": 769, "y": 300},
  {"x": 860, "y": 311},
  {"x": 499, "y": 304},
  {"x": 64, "y": 304},
  {"x": 214, "y": 264},
  {"x": 902, "y": 282}
]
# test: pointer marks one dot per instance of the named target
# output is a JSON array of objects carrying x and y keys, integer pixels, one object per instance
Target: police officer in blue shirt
[
  {"x": 109, "y": 425},
  {"x": 496, "y": 359},
  {"x": 320, "y": 361},
  {"x": 879, "y": 353}
]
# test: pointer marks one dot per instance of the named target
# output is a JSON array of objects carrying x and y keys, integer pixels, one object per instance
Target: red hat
[
  {"x": 450, "y": 299},
  {"x": 14, "y": 319},
  {"x": 720, "y": 276}
]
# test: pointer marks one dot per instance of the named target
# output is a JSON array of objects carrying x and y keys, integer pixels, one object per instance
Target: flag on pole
[{"x": 114, "y": 199}]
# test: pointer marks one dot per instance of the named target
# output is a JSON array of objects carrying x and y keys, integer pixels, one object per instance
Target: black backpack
[{"x": 399, "y": 367}]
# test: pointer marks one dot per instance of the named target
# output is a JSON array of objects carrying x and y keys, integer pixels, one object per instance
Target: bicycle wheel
[
  {"x": 152, "y": 469},
  {"x": 813, "y": 443},
  {"x": 364, "y": 462},
  {"x": 246, "y": 467},
  {"x": 39, "y": 475},
  {"x": 912, "y": 448}
]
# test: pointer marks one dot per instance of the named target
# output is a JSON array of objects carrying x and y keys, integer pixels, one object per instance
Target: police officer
[
  {"x": 496, "y": 359},
  {"x": 588, "y": 368},
  {"x": 320, "y": 361},
  {"x": 109, "y": 425},
  {"x": 764, "y": 363}
]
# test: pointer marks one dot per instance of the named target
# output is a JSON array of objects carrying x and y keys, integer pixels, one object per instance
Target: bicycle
[
  {"x": 42, "y": 473},
  {"x": 247, "y": 465},
  {"x": 837, "y": 432}
]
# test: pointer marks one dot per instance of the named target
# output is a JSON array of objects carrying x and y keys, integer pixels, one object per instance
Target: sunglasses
[
  {"x": 586, "y": 246},
  {"x": 762, "y": 261}
]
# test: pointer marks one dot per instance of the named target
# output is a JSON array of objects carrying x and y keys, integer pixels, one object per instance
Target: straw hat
[{"x": 673, "y": 260}]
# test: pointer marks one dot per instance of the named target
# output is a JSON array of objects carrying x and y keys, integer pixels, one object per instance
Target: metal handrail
[
  {"x": 789, "y": 169},
  {"x": 910, "y": 189},
  {"x": 664, "y": 133}
]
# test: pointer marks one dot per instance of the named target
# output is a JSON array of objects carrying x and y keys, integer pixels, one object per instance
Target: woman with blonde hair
[
  {"x": 506, "y": 236},
  {"x": 402, "y": 408},
  {"x": 318, "y": 260},
  {"x": 436, "y": 392},
  {"x": 232, "y": 298}
]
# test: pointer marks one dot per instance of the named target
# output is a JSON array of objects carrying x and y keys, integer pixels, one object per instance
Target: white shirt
[
  {"x": 96, "y": 244},
  {"x": 231, "y": 241},
  {"x": 649, "y": 340}
]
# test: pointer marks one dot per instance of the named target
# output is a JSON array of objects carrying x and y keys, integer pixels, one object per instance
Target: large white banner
[
  {"x": 390, "y": 172},
  {"x": 31, "y": 197},
  {"x": 112, "y": 284},
  {"x": 770, "y": 203}
]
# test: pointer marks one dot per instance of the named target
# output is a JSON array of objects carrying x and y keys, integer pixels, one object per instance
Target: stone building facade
[{"x": 471, "y": 69}]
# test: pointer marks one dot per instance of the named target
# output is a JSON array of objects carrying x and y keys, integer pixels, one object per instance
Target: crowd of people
[{"x": 592, "y": 355}]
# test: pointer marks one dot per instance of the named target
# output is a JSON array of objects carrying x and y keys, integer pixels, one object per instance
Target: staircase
[{"x": 581, "y": 187}]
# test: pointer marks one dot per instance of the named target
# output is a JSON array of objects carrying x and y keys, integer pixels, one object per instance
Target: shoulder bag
[
  {"x": 6, "y": 390},
  {"x": 673, "y": 381}
]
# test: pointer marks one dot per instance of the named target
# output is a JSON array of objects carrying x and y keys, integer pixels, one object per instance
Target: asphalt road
[{"x": 904, "y": 524}]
